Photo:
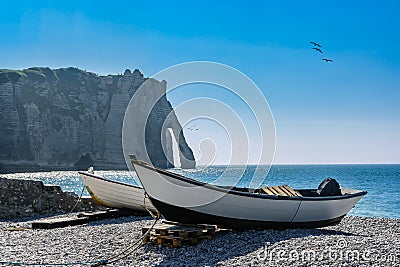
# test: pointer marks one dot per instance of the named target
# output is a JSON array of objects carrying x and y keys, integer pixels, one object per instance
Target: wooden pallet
[{"x": 175, "y": 235}]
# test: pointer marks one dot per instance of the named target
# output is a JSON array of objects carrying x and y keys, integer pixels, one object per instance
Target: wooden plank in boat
[
  {"x": 267, "y": 191},
  {"x": 283, "y": 190},
  {"x": 279, "y": 191},
  {"x": 292, "y": 191}
]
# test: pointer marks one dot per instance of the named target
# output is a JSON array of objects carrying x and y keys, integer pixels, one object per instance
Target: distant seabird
[
  {"x": 315, "y": 44},
  {"x": 317, "y": 49},
  {"x": 193, "y": 128},
  {"x": 327, "y": 60}
]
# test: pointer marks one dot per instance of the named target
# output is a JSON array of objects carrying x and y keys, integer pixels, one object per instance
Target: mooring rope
[
  {"x": 77, "y": 201},
  {"x": 135, "y": 245},
  {"x": 148, "y": 210},
  {"x": 128, "y": 251}
]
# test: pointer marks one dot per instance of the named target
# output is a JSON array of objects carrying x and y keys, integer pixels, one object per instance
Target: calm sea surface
[{"x": 381, "y": 181}]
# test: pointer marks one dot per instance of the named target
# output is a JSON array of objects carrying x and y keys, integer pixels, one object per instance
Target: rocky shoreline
[
  {"x": 24, "y": 197},
  {"x": 356, "y": 241}
]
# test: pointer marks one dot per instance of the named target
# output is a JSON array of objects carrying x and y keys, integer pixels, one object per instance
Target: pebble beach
[{"x": 356, "y": 241}]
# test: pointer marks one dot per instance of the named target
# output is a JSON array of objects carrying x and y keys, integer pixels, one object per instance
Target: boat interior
[
  {"x": 274, "y": 190},
  {"x": 281, "y": 190}
]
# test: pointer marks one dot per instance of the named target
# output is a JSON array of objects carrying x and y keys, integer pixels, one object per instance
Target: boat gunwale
[
  {"x": 107, "y": 180},
  {"x": 241, "y": 193}
]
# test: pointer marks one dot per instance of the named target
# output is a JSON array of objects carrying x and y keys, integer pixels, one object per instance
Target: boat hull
[
  {"x": 114, "y": 194},
  {"x": 185, "y": 200},
  {"x": 184, "y": 215}
]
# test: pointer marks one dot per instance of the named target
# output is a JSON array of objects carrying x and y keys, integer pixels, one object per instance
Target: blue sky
[{"x": 341, "y": 112}]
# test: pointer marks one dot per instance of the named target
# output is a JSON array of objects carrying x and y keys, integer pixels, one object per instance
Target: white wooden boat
[
  {"x": 115, "y": 194},
  {"x": 186, "y": 200}
]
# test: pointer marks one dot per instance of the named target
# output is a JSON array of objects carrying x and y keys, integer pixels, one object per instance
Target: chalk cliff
[{"x": 69, "y": 118}]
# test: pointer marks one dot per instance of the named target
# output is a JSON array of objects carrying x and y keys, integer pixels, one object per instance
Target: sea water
[{"x": 381, "y": 181}]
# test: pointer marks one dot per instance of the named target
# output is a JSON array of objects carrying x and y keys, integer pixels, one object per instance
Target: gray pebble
[{"x": 356, "y": 241}]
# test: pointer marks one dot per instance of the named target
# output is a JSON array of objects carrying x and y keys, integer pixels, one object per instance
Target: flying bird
[
  {"x": 315, "y": 44},
  {"x": 327, "y": 60},
  {"x": 193, "y": 128},
  {"x": 317, "y": 49}
]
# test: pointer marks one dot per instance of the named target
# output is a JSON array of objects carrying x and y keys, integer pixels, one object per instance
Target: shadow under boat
[
  {"x": 186, "y": 200},
  {"x": 256, "y": 242}
]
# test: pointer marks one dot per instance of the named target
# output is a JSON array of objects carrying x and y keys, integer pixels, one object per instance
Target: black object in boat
[{"x": 329, "y": 187}]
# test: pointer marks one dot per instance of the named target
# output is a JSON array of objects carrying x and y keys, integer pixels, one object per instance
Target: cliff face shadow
[{"x": 231, "y": 244}]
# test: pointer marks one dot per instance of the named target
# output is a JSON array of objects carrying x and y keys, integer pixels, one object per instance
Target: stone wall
[{"x": 24, "y": 198}]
